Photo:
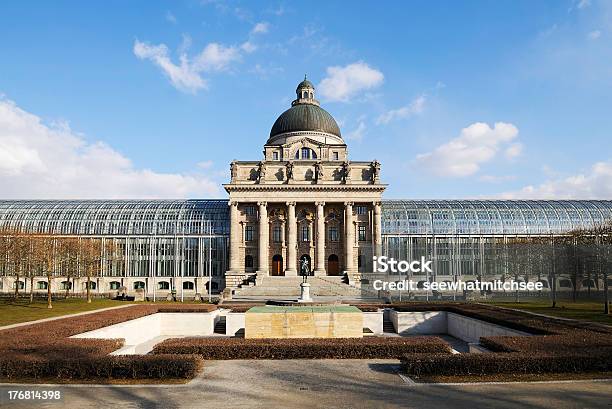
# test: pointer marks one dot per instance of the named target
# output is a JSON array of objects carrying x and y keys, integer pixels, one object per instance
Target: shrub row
[
  {"x": 309, "y": 348},
  {"x": 496, "y": 363},
  {"x": 101, "y": 367},
  {"x": 45, "y": 350}
]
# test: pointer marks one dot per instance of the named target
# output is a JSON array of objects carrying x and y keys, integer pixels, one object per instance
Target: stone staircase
[{"x": 328, "y": 286}]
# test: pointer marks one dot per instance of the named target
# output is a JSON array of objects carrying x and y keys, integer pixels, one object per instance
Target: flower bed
[
  {"x": 44, "y": 350},
  {"x": 309, "y": 348}
]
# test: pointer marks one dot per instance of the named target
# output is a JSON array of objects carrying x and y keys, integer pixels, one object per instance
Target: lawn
[
  {"x": 14, "y": 311},
  {"x": 580, "y": 310}
]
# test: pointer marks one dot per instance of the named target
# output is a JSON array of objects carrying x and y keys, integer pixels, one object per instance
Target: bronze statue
[
  {"x": 289, "y": 170},
  {"x": 346, "y": 171},
  {"x": 375, "y": 171}
]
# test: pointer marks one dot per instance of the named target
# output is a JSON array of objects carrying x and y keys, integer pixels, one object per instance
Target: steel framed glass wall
[
  {"x": 470, "y": 237},
  {"x": 156, "y": 238}
]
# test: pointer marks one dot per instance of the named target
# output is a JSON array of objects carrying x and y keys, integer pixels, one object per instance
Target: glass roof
[
  {"x": 117, "y": 217},
  {"x": 399, "y": 217},
  {"x": 492, "y": 217}
]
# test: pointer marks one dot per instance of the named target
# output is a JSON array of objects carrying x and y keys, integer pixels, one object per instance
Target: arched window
[
  {"x": 42, "y": 285},
  {"x": 114, "y": 285},
  {"x": 92, "y": 285},
  {"x": 19, "y": 284},
  {"x": 565, "y": 283},
  {"x": 306, "y": 154},
  {"x": 139, "y": 284},
  {"x": 188, "y": 285},
  {"x": 588, "y": 283},
  {"x": 66, "y": 285},
  {"x": 248, "y": 261},
  {"x": 544, "y": 283},
  {"x": 163, "y": 285}
]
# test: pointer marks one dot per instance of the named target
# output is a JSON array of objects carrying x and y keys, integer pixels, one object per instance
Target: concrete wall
[
  {"x": 441, "y": 322},
  {"x": 140, "y": 333},
  {"x": 470, "y": 329},
  {"x": 373, "y": 321},
  {"x": 234, "y": 321},
  {"x": 417, "y": 323}
]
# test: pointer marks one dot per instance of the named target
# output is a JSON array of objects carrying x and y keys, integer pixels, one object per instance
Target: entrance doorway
[
  {"x": 305, "y": 257},
  {"x": 333, "y": 266},
  {"x": 277, "y": 265}
]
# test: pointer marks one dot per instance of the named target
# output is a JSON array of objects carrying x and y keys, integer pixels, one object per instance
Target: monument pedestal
[
  {"x": 304, "y": 321},
  {"x": 304, "y": 293}
]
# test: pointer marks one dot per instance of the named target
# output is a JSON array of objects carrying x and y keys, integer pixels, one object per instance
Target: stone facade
[{"x": 304, "y": 201}]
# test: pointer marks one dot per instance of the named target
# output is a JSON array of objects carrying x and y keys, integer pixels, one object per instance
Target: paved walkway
[
  {"x": 22, "y": 324},
  {"x": 321, "y": 384}
]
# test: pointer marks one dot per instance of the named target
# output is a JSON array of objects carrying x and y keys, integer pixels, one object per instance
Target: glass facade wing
[
  {"x": 491, "y": 217},
  {"x": 118, "y": 218}
]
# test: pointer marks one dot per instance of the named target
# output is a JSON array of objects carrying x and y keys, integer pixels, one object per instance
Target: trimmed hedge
[
  {"x": 45, "y": 350},
  {"x": 303, "y": 348},
  {"x": 506, "y": 363},
  {"x": 102, "y": 367}
]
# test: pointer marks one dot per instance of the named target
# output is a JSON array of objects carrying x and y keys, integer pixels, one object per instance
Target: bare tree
[
  {"x": 91, "y": 258},
  {"x": 45, "y": 255}
]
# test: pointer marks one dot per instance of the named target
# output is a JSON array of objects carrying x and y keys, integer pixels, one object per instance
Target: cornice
[{"x": 302, "y": 188}]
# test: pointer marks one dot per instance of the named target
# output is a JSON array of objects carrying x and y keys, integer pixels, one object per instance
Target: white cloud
[
  {"x": 414, "y": 108},
  {"x": 595, "y": 183},
  {"x": 594, "y": 35},
  {"x": 40, "y": 161},
  {"x": 514, "y": 150},
  {"x": 216, "y": 57},
  {"x": 357, "y": 133},
  {"x": 582, "y": 4},
  {"x": 463, "y": 156},
  {"x": 342, "y": 83},
  {"x": 186, "y": 76},
  {"x": 248, "y": 47},
  {"x": 496, "y": 179},
  {"x": 260, "y": 28},
  {"x": 171, "y": 18}
]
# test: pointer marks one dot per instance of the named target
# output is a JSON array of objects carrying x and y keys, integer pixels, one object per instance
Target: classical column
[
  {"x": 349, "y": 239},
  {"x": 377, "y": 237},
  {"x": 320, "y": 269},
  {"x": 264, "y": 232},
  {"x": 291, "y": 240},
  {"x": 234, "y": 238}
]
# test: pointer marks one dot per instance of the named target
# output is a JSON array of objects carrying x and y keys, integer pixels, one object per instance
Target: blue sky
[{"x": 464, "y": 99}]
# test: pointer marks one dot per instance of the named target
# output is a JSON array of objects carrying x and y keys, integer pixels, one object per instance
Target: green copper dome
[
  {"x": 305, "y": 117},
  {"x": 305, "y": 84}
]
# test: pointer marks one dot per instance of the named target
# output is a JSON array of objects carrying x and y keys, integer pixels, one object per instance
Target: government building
[{"x": 304, "y": 207}]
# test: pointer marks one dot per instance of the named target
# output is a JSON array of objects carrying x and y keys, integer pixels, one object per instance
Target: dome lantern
[{"x": 305, "y": 93}]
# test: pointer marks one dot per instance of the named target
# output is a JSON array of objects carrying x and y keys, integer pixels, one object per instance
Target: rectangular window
[
  {"x": 333, "y": 234},
  {"x": 250, "y": 210},
  {"x": 275, "y": 155},
  {"x": 361, "y": 232},
  {"x": 335, "y": 156},
  {"x": 361, "y": 209},
  {"x": 248, "y": 233},
  {"x": 276, "y": 234},
  {"x": 305, "y": 233}
]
